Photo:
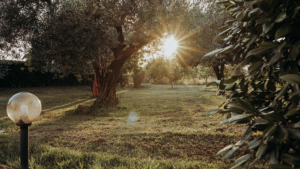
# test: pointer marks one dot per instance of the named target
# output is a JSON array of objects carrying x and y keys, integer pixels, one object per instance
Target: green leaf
[
  {"x": 245, "y": 88},
  {"x": 235, "y": 9},
  {"x": 230, "y": 86},
  {"x": 224, "y": 121},
  {"x": 294, "y": 133},
  {"x": 224, "y": 31},
  {"x": 291, "y": 158},
  {"x": 247, "y": 134},
  {"x": 271, "y": 129},
  {"x": 225, "y": 149},
  {"x": 269, "y": 45},
  {"x": 239, "y": 117},
  {"x": 293, "y": 53},
  {"x": 261, "y": 150},
  {"x": 282, "y": 92},
  {"x": 229, "y": 81},
  {"x": 230, "y": 153},
  {"x": 222, "y": 86},
  {"x": 274, "y": 154},
  {"x": 241, "y": 160},
  {"x": 219, "y": 38},
  {"x": 275, "y": 116},
  {"x": 274, "y": 59},
  {"x": 242, "y": 15},
  {"x": 260, "y": 121},
  {"x": 296, "y": 125},
  {"x": 259, "y": 51},
  {"x": 252, "y": 12},
  {"x": 213, "y": 111},
  {"x": 234, "y": 106},
  {"x": 246, "y": 105},
  {"x": 263, "y": 20},
  {"x": 292, "y": 112},
  {"x": 223, "y": 28},
  {"x": 283, "y": 30},
  {"x": 253, "y": 162},
  {"x": 222, "y": 2},
  {"x": 280, "y": 17},
  {"x": 294, "y": 94},
  {"x": 295, "y": 12},
  {"x": 281, "y": 134},
  {"x": 214, "y": 52},
  {"x": 281, "y": 46},
  {"x": 279, "y": 166},
  {"x": 255, "y": 67},
  {"x": 211, "y": 83},
  {"x": 250, "y": 42},
  {"x": 228, "y": 49},
  {"x": 267, "y": 27},
  {"x": 255, "y": 143},
  {"x": 291, "y": 78}
]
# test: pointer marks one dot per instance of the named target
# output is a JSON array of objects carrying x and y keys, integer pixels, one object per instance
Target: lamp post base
[{"x": 24, "y": 144}]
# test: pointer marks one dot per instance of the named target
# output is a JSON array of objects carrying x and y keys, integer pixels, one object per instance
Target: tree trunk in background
[{"x": 219, "y": 71}]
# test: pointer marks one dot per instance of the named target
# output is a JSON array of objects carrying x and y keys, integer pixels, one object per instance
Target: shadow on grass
[{"x": 69, "y": 105}]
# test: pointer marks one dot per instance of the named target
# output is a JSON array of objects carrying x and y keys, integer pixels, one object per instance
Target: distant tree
[
  {"x": 205, "y": 72},
  {"x": 135, "y": 67},
  {"x": 169, "y": 68},
  {"x": 173, "y": 71},
  {"x": 155, "y": 69}
]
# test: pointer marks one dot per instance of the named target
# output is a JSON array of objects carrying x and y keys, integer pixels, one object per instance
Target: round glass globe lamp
[{"x": 23, "y": 108}]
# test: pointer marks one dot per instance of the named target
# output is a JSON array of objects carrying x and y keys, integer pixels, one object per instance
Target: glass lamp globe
[{"x": 23, "y": 107}]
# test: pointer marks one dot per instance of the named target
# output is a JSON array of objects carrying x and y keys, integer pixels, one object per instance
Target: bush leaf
[
  {"x": 213, "y": 111},
  {"x": 225, "y": 149},
  {"x": 280, "y": 17},
  {"x": 246, "y": 105},
  {"x": 230, "y": 153},
  {"x": 291, "y": 78},
  {"x": 283, "y": 30}
]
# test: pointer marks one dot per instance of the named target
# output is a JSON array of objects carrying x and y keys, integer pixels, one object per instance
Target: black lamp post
[{"x": 23, "y": 108}]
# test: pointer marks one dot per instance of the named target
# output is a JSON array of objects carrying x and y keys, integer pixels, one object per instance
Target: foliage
[
  {"x": 134, "y": 65},
  {"x": 21, "y": 21},
  {"x": 161, "y": 67},
  {"x": 265, "y": 34},
  {"x": 19, "y": 74}
]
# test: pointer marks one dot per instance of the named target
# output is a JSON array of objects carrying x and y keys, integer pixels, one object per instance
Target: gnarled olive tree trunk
[{"x": 107, "y": 81}]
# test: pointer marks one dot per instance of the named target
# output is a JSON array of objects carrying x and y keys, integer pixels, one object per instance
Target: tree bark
[
  {"x": 219, "y": 71},
  {"x": 108, "y": 79}
]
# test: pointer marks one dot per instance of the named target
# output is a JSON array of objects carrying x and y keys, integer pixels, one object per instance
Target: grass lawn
[{"x": 172, "y": 130}]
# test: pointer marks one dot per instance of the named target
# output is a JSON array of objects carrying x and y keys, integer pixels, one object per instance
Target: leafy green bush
[{"x": 266, "y": 35}]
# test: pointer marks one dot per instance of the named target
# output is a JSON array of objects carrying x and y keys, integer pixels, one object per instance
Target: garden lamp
[{"x": 23, "y": 108}]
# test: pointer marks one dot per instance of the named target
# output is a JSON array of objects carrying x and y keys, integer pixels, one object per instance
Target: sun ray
[
  {"x": 199, "y": 49},
  {"x": 193, "y": 32},
  {"x": 182, "y": 60}
]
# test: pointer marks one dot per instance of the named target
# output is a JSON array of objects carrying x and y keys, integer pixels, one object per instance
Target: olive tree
[
  {"x": 265, "y": 35},
  {"x": 103, "y": 32}
]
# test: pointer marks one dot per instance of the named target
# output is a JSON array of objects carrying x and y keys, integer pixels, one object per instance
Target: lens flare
[
  {"x": 132, "y": 117},
  {"x": 170, "y": 46}
]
